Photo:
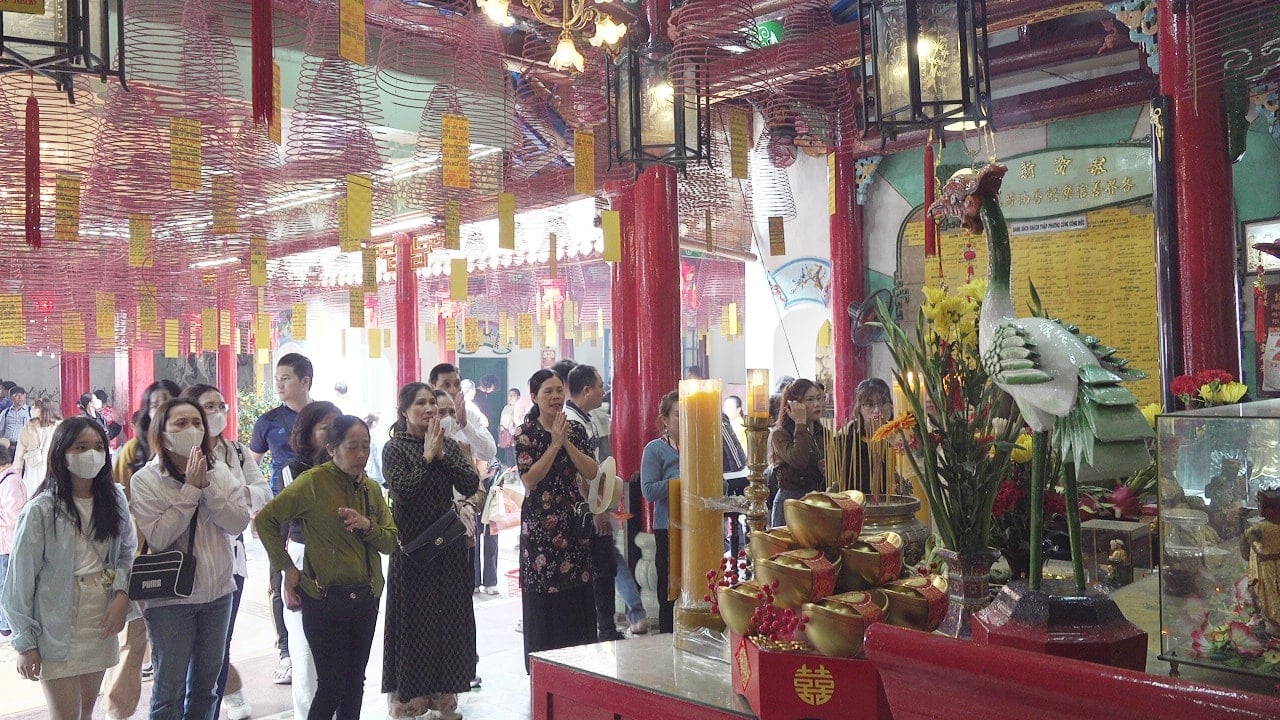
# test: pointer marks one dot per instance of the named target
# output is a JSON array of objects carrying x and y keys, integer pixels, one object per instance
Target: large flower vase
[{"x": 968, "y": 588}]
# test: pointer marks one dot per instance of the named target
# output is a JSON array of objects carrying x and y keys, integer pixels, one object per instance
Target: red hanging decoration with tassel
[
  {"x": 930, "y": 227},
  {"x": 260, "y": 63},
  {"x": 33, "y": 171}
]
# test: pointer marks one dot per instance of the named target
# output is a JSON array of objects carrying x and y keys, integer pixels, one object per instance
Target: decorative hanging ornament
[
  {"x": 33, "y": 171},
  {"x": 930, "y": 227},
  {"x": 260, "y": 60},
  {"x": 969, "y": 256}
]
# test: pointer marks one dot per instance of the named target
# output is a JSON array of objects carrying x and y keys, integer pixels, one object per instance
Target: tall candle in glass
[
  {"x": 701, "y": 476},
  {"x": 758, "y": 393}
]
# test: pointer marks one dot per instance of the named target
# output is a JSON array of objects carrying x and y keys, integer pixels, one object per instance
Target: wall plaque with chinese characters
[{"x": 1069, "y": 181}]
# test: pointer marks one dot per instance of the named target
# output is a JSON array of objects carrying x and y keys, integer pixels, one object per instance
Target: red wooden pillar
[
  {"x": 629, "y": 431},
  {"x": 228, "y": 365},
  {"x": 848, "y": 284},
  {"x": 142, "y": 372},
  {"x": 407, "y": 361},
  {"x": 656, "y": 301},
  {"x": 73, "y": 376},
  {"x": 1202, "y": 202}
]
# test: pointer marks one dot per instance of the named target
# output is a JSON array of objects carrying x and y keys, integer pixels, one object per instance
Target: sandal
[{"x": 283, "y": 674}]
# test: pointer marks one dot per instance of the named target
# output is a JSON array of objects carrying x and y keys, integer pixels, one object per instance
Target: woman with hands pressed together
[
  {"x": 345, "y": 524},
  {"x": 798, "y": 446},
  {"x": 181, "y": 485},
  {"x": 553, "y": 456},
  {"x": 430, "y": 636},
  {"x": 66, "y": 595}
]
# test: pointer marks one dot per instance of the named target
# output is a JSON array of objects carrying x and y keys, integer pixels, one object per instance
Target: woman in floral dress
[
  {"x": 430, "y": 638},
  {"x": 553, "y": 455}
]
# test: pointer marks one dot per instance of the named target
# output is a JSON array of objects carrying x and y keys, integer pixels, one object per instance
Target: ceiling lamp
[
  {"x": 574, "y": 17},
  {"x": 659, "y": 110},
  {"x": 925, "y": 65},
  {"x": 57, "y": 38}
]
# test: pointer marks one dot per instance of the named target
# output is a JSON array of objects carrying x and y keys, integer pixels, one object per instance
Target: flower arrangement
[
  {"x": 1207, "y": 388},
  {"x": 961, "y": 448},
  {"x": 1231, "y": 632}
]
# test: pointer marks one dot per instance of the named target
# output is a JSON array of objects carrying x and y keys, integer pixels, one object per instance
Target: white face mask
[
  {"x": 449, "y": 425},
  {"x": 217, "y": 423},
  {"x": 184, "y": 441},
  {"x": 86, "y": 465},
  {"x": 97, "y": 404}
]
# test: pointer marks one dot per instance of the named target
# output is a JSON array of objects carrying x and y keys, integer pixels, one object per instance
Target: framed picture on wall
[{"x": 1262, "y": 244}]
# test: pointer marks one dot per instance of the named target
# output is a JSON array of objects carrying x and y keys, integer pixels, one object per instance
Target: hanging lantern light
[
  {"x": 925, "y": 65},
  {"x": 55, "y": 38},
  {"x": 655, "y": 116}
]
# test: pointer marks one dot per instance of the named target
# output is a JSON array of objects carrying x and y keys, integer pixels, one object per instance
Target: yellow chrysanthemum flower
[
  {"x": 1231, "y": 392},
  {"x": 1150, "y": 411},
  {"x": 1022, "y": 453}
]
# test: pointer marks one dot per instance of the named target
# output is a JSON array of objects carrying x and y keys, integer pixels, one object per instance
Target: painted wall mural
[{"x": 804, "y": 280}]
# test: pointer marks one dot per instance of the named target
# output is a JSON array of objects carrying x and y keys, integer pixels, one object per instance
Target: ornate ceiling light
[
  {"x": 575, "y": 16},
  {"x": 63, "y": 37},
  {"x": 925, "y": 65}
]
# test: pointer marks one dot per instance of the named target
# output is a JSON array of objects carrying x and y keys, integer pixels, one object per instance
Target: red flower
[
  {"x": 1185, "y": 386},
  {"x": 1126, "y": 502},
  {"x": 1007, "y": 498},
  {"x": 1054, "y": 504},
  {"x": 1205, "y": 377}
]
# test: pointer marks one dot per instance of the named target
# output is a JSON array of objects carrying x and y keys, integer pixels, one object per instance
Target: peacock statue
[{"x": 1066, "y": 384}]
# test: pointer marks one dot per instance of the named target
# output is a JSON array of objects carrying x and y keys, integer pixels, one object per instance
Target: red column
[
  {"x": 656, "y": 302},
  {"x": 142, "y": 372},
  {"x": 1202, "y": 203},
  {"x": 407, "y": 360},
  {"x": 629, "y": 432},
  {"x": 73, "y": 375},
  {"x": 228, "y": 366},
  {"x": 848, "y": 284}
]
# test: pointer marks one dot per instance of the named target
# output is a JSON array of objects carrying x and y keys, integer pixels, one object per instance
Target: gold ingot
[
  {"x": 919, "y": 602},
  {"x": 738, "y": 604},
  {"x": 836, "y": 625},
  {"x": 870, "y": 561},
  {"x": 802, "y": 575},
  {"x": 818, "y": 520},
  {"x": 767, "y": 543}
]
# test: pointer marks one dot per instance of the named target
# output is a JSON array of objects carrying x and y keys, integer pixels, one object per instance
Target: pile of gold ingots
[{"x": 819, "y": 583}]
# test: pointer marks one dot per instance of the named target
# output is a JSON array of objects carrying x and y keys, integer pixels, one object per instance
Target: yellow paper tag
[
  {"x": 733, "y": 319},
  {"x": 455, "y": 150},
  {"x": 356, "y": 309},
  {"x": 584, "y": 162},
  {"x": 458, "y": 279},
  {"x": 611, "y": 226},
  {"x": 504, "y": 327},
  {"x": 551, "y": 256},
  {"x": 452, "y": 225},
  {"x": 359, "y": 208},
  {"x": 224, "y": 205},
  {"x": 171, "y": 339},
  {"x": 184, "y": 153},
  {"x": 506, "y": 221},
  {"x": 345, "y": 243},
  {"x": 369, "y": 265},
  {"x": 13, "y": 323},
  {"x": 262, "y": 338},
  {"x": 831, "y": 183},
  {"x": 471, "y": 334},
  {"x": 299, "y": 321},
  {"x": 73, "y": 332},
  {"x": 224, "y": 328},
  {"x": 106, "y": 316},
  {"x": 386, "y": 338},
  {"x": 273, "y": 129},
  {"x": 66, "y": 199},
  {"x": 707, "y": 228},
  {"x": 599, "y": 323},
  {"x": 351, "y": 30},
  {"x": 739, "y": 142},
  {"x": 777, "y": 239},
  {"x": 451, "y": 334},
  {"x": 209, "y": 330},
  {"x": 375, "y": 343},
  {"x": 140, "y": 247},
  {"x": 257, "y": 262},
  {"x": 524, "y": 331},
  {"x": 148, "y": 311}
]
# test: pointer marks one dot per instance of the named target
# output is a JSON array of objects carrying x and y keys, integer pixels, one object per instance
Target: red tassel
[
  {"x": 930, "y": 227},
  {"x": 260, "y": 44},
  {"x": 33, "y": 172}
]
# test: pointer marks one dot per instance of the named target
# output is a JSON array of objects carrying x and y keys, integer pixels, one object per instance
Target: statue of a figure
[{"x": 1260, "y": 546}]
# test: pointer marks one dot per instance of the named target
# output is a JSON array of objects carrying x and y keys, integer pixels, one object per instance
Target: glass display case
[{"x": 1219, "y": 596}]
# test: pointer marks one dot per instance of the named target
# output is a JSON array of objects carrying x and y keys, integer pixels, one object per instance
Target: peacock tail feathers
[
  {"x": 1104, "y": 435},
  {"x": 1105, "y": 354}
]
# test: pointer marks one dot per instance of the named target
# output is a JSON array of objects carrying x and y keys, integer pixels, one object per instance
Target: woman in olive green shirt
[{"x": 345, "y": 524}]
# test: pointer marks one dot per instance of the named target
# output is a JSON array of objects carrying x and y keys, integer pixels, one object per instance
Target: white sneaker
[
  {"x": 237, "y": 707},
  {"x": 490, "y": 590}
]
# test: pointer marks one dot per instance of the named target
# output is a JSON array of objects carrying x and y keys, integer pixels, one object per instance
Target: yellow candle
[
  {"x": 701, "y": 476},
  {"x": 758, "y": 393}
]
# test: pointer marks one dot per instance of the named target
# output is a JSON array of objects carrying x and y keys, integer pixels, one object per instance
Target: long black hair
[
  {"x": 157, "y": 437},
  {"x": 142, "y": 420},
  {"x": 302, "y": 438},
  {"x": 535, "y": 382},
  {"x": 107, "y": 513},
  {"x": 405, "y": 398}
]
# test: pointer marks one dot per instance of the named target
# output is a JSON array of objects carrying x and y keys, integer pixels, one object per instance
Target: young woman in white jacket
[{"x": 189, "y": 635}]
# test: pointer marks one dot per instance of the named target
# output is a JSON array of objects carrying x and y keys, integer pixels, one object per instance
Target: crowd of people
[{"x": 73, "y": 519}]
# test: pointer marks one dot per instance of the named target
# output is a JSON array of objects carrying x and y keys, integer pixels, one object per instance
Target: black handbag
[
  {"x": 166, "y": 575},
  {"x": 348, "y": 601},
  {"x": 444, "y": 532},
  {"x": 582, "y": 524}
]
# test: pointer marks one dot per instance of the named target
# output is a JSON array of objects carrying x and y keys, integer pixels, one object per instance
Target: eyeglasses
[{"x": 212, "y": 408}]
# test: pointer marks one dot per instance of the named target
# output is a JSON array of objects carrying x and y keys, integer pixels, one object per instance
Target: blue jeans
[
  {"x": 188, "y": 643},
  {"x": 4, "y": 572},
  {"x": 777, "y": 518},
  {"x": 226, "y": 657},
  {"x": 625, "y": 583}
]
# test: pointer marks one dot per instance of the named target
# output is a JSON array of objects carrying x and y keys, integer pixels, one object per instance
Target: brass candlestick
[{"x": 757, "y": 430}]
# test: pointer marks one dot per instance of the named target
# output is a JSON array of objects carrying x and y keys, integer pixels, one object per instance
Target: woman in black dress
[
  {"x": 430, "y": 636},
  {"x": 553, "y": 455}
]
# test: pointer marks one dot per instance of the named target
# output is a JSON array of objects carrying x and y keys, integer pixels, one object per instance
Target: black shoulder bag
[
  {"x": 166, "y": 575},
  {"x": 348, "y": 601}
]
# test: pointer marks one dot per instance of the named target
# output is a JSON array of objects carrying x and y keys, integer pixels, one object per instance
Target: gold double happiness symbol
[{"x": 814, "y": 686}]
